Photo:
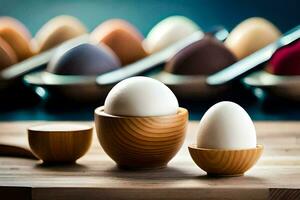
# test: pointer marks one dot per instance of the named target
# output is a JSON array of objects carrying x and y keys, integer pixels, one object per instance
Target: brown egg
[
  {"x": 7, "y": 55},
  {"x": 17, "y": 36},
  {"x": 58, "y": 30},
  {"x": 123, "y": 38},
  {"x": 250, "y": 36}
]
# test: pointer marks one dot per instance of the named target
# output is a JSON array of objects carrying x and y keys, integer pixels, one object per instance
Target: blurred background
[{"x": 144, "y": 15}]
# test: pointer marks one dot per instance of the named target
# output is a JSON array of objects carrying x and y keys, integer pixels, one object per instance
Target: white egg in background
[
  {"x": 226, "y": 125},
  {"x": 169, "y": 31},
  {"x": 140, "y": 97}
]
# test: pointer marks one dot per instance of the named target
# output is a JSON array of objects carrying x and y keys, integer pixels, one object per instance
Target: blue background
[{"x": 146, "y": 13}]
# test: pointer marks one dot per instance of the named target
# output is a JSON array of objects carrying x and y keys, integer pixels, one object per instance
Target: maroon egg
[
  {"x": 203, "y": 57},
  {"x": 84, "y": 59},
  {"x": 286, "y": 60}
]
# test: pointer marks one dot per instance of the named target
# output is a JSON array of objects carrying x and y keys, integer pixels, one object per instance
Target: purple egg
[{"x": 84, "y": 59}]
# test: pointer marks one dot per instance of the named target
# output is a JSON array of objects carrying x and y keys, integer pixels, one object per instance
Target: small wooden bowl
[
  {"x": 219, "y": 162},
  {"x": 60, "y": 143},
  {"x": 141, "y": 142}
]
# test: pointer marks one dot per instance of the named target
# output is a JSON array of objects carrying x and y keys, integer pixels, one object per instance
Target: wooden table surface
[{"x": 95, "y": 176}]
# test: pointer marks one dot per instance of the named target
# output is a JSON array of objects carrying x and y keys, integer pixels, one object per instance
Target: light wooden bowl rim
[
  {"x": 194, "y": 147},
  {"x": 100, "y": 112},
  {"x": 86, "y": 130}
]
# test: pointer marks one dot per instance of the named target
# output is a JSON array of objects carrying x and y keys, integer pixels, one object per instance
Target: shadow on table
[
  {"x": 174, "y": 174},
  {"x": 167, "y": 173},
  {"x": 224, "y": 179},
  {"x": 62, "y": 167}
]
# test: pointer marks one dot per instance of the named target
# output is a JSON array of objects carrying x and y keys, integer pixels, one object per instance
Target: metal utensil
[
  {"x": 252, "y": 62},
  {"x": 36, "y": 62}
]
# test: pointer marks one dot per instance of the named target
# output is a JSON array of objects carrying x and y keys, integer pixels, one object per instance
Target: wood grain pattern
[
  {"x": 95, "y": 176},
  {"x": 225, "y": 162},
  {"x": 284, "y": 194},
  {"x": 141, "y": 142},
  {"x": 60, "y": 146}
]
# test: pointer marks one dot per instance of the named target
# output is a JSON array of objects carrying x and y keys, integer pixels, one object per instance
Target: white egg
[
  {"x": 226, "y": 125},
  {"x": 140, "y": 97},
  {"x": 169, "y": 31}
]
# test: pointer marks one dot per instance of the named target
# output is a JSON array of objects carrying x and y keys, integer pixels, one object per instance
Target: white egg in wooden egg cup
[
  {"x": 226, "y": 141},
  {"x": 141, "y": 125}
]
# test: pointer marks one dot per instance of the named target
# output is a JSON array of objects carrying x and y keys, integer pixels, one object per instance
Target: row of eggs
[
  {"x": 142, "y": 126},
  {"x": 117, "y": 43}
]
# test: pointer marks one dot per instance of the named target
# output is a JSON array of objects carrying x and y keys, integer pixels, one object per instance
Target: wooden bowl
[
  {"x": 219, "y": 162},
  {"x": 141, "y": 142},
  {"x": 60, "y": 143}
]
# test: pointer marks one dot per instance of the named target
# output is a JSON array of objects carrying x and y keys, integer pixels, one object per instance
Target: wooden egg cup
[
  {"x": 60, "y": 146},
  {"x": 219, "y": 162},
  {"x": 141, "y": 142}
]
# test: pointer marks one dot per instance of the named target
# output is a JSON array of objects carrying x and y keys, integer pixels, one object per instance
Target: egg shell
[
  {"x": 169, "y": 31},
  {"x": 226, "y": 125},
  {"x": 122, "y": 37},
  {"x": 17, "y": 36},
  {"x": 250, "y": 36},
  {"x": 286, "y": 60},
  {"x": 7, "y": 55},
  {"x": 57, "y": 30},
  {"x": 140, "y": 97},
  {"x": 84, "y": 59},
  {"x": 203, "y": 57}
]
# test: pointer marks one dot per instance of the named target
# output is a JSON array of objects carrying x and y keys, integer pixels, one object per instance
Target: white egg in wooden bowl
[
  {"x": 226, "y": 141},
  {"x": 141, "y": 125}
]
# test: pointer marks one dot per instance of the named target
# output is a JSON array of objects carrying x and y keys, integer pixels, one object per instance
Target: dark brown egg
[
  {"x": 203, "y": 57},
  {"x": 123, "y": 38},
  {"x": 7, "y": 55},
  {"x": 58, "y": 30},
  {"x": 17, "y": 36},
  {"x": 84, "y": 59}
]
